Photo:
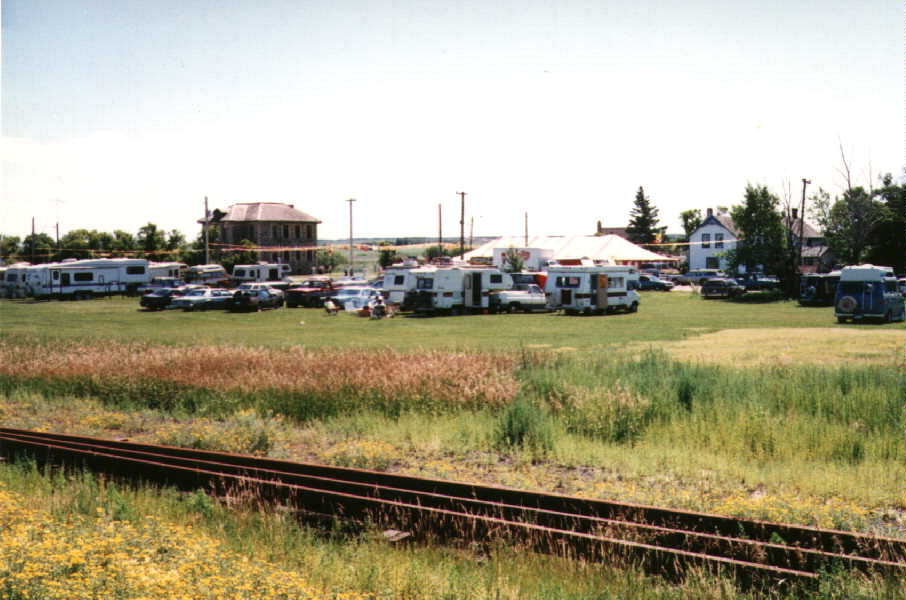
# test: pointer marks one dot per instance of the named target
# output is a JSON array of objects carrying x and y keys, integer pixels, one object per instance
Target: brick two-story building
[{"x": 291, "y": 233}]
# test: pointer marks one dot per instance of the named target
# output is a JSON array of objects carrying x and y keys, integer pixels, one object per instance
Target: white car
[{"x": 354, "y": 297}]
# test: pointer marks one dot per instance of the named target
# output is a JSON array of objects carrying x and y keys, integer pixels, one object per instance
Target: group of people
[{"x": 377, "y": 308}]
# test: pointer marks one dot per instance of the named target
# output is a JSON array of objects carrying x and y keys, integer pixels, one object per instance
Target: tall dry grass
[{"x": 295, "y": 381}]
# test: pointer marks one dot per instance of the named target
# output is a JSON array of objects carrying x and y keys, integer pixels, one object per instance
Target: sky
[{"x": 116, "y": 113}]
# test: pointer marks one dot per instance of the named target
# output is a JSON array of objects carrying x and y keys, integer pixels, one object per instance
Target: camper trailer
[
  {"x": 868, "y": 292},
  {"x": 261, "y": 273},
  {"x": 14, "y": 280},
  {"x": 818, "y": 289},
  {"x": 400, "y": 278},
  {"x": 176, "y": 270},
  {"x": 455, "y": 289},
  {"x": 591, "y": 289},
  {"x": 82, "y": 279}
]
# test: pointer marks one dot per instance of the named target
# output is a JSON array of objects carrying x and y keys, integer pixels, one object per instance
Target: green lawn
[{"x": 672, "y": 316}]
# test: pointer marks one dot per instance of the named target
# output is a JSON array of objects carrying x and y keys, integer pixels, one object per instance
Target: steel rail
[
  {"x": 781, "y": 561},
  {"x": 767, "y": 553}
]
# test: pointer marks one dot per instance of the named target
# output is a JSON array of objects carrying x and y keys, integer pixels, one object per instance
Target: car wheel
[
  {"x": 513, "y": 307},
  {"x": 634, "y": 307},
  {"x": 841, "y": 320}
]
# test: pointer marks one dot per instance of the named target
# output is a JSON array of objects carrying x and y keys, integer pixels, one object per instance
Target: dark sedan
[
  {"x": 720, "y": 287},
  {"x": 256, "y": 299},
  {"x": 160, "y": 299},
  {"x": 651, "y": 282}
]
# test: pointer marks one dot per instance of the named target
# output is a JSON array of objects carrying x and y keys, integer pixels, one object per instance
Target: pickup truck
[
  {"x": 525, "y": 297},
  {"x": 310, "y": 293}
]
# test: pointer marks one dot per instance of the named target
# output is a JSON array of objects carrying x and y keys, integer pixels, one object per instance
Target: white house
[{"x": 709, "y": 243}]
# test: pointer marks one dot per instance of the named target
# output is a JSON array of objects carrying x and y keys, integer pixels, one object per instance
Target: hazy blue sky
[{"x": 120, "y": 112}]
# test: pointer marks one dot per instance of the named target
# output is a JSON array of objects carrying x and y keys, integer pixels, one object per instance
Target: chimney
[
  {"x": 710, "y": 212},
  {"x": 795, "y": 213}
]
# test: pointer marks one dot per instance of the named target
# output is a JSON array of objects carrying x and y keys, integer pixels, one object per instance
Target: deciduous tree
[{"x": 761, "y": 228}]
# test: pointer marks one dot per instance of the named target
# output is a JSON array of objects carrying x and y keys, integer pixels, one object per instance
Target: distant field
[{"x": 662, "y": 317}]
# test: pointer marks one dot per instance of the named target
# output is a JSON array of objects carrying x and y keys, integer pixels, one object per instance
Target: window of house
[
  {"x": 309, "y": 231},
  {"x": 706, "y": 240},
  {"x": 286, "y": 255},
  {"x": 310, "y": 254},
  {"x": 718, "y": 240},
  {"x": 83, "y": 276},
  {"x": 298, "y": 231},
  {"x": 298, "y": 255},
  {"x": 286, "y": 231},
  {"x": 712, "y": 262},
  {"x": 275, "y": 231}
]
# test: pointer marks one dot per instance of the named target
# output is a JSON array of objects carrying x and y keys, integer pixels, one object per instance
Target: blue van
[{"x": 868, "y": 292}]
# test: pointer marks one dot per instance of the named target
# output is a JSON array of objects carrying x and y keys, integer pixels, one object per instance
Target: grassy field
[{"x": 767, "y": 410}]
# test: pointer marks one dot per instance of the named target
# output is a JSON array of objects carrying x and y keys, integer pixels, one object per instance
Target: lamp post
[{"x": 351, "y": 266}]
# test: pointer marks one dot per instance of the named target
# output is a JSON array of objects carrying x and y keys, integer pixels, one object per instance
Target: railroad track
[{"x": 659, "y": 540}]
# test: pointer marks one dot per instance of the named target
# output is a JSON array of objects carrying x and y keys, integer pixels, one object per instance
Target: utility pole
[
  {"x": 471, "y": 230},
  {"x": 32, "y": 240},
  {"x": 526, "y": 230},
  {"x": 440, "y": 228},
  {"x": 805, "y": 182},
  {"x": 462, "y": 225},
  {"x": 351, "y": 266},
  {"x": 207, "y": 251}
]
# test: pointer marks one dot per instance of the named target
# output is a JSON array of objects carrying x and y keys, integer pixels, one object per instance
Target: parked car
[
  {"x": 310, "y": 293},
  {"x": 757, "y": 282},
  {"x": 721, "y": 287},
  {"x": 256, "y": 298},
  {"x": 162, "y": 298},
  {"x": 204, "y": 299},
  {"x": 159, "y": 283},
  {"x": 652, "y": 282},
  {"x": 523, "y": 297},
  {"x": 354, "y": 297},
  {"x": 696, "y": 277}
]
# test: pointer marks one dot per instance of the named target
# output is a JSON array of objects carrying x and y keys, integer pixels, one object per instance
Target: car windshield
[
  {"x": 352, "y": 292},
  {"x": 196, "y": 293},
  {"x": 314, "y": 284}
]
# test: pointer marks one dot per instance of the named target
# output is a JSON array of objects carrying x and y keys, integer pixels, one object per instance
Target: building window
[
  {"x": 711, "y": 262},
  {"x": 706, "y": 240},
  {"x": 286, "y": 231},
  {"x": 298, "y": 231},
  {"x": 718, "y": 240},
  {"x": 276, "y": 231},
  {"x": 298, "y": 255},
  {"x": 310, "y": 255},
  {"x": 286, "y": 255},
  {"x": 309, "y": 231}
]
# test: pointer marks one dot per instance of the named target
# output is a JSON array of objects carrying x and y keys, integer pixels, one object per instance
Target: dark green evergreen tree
[{"x": 642, "y": 228}]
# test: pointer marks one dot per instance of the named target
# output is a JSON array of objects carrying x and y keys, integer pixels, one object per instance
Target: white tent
[{"x": 606, "y": 248}]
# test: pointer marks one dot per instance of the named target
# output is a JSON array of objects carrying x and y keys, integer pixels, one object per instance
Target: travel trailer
[
  {"x": 868, "y": 292},
  {"x": 82, "y": 279},
  {"x": 591, "y": 289},
  {"x": 818, "y": 289},
  {"x": 14, "y": 280},
  {"x": 455, "y": 289},
  {"x": 261, "y": 272},
  {"x": 400, "y": 278},
  {"x": 177, "y": 270}
]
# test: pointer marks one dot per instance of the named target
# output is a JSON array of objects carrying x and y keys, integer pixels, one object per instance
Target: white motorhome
[
  {"x": 176, "y": 270},
  {"x": 261, "y": 272},
  {"x": 592, "y": 289},
  {"x": 456, "y": 289},
  {"x": 14, "y": 280},
  {"x": 82, "y": 279}
]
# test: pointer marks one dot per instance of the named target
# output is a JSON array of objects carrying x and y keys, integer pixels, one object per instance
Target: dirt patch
[{"x": 785, "y": 346}]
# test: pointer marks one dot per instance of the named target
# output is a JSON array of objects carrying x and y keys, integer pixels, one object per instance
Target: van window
[
  {"x": 423, "y": 283},
  {"x": 135, "y": 270},
  {"x": 56, "y": 275},
  {"x": 83, "y": 276},
  {"x": 615, "y": 282},
  {"x": 571, "y": 282},
  {"x": 239, "y": 272},
  {"x": 496, "y": 278},
  {"x": 850, "y": 287},
  {"x": 11, "y": 277}
]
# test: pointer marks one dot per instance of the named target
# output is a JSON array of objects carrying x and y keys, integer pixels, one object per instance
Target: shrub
[{"x": 526, "y": 425}]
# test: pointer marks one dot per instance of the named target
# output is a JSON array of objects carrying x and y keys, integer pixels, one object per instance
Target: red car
[{"x": 310, "y": 293}]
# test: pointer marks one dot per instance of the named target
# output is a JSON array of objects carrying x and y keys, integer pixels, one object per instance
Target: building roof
[
  {"x": 807, "y": 230},
  {"x": 726, "y": 221},
  {"x": 594, "y": 247},
  {"x": 265, "y": 211},
  {"x": 814, "y": 251}
]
